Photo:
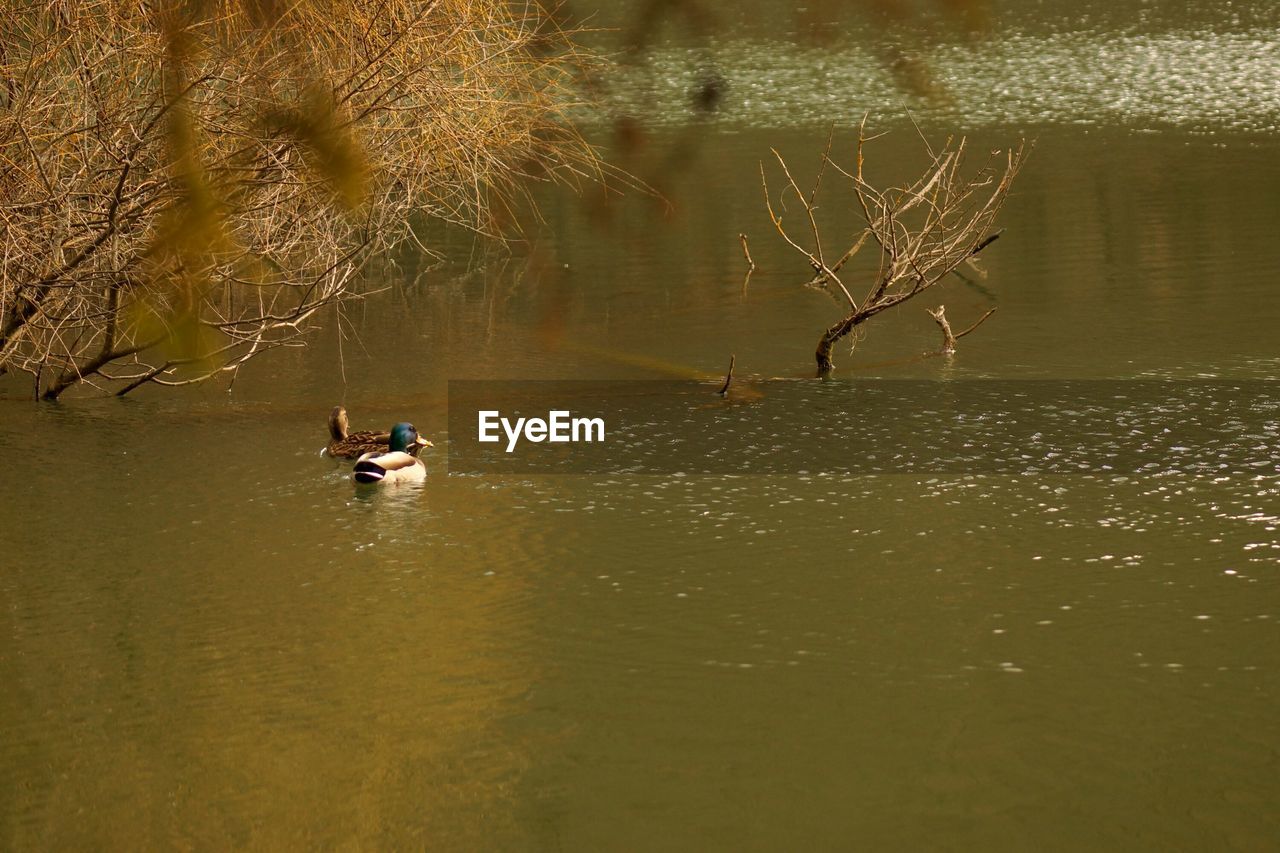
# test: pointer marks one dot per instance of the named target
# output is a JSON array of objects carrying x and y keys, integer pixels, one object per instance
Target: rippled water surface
[
  {"x": 1208, "y": 83},
  {"x": 209, "y": 639}
]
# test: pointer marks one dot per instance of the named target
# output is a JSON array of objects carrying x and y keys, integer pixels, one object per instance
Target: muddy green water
[{"x": 209, "y": 641}]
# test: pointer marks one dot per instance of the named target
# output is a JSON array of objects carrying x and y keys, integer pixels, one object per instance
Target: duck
[
  {"x": 395, "y": 466},
  {"x": 344, "y": 444}
]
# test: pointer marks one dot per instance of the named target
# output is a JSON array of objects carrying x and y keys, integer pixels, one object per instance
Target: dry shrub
[
  {"x": 923, "y": 231},
  {"x": 184, "y": 184}
]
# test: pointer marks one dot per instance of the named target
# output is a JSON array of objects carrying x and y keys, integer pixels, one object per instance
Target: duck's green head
[{"x": 404, "y": 436}]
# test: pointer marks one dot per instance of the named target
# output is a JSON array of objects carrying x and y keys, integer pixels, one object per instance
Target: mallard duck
[
  {"x": 396, "y": 466},
  {"x": 351, "y": 445}
]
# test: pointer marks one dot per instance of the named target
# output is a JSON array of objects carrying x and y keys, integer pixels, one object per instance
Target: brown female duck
[{"x": 344, "y": 444}]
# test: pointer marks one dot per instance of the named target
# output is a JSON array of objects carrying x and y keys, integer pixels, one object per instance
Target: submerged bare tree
[
  {"x": 923, "y": 231},
  {"x": 184, "y": 184}
]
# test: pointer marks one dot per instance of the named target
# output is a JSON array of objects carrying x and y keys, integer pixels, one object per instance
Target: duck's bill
[{"x": 424, "y": 443}]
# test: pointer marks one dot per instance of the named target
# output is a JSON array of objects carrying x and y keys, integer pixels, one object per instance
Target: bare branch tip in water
[{"x": 924, "y": 230}]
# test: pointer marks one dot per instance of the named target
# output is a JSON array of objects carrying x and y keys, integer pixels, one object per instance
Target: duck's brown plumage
[{"x": 344, "y": 444}]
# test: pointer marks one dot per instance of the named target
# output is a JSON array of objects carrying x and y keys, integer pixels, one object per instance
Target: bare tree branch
[
  {"x": 924, "y": 230},
  {"x": 185, "y": 186}
]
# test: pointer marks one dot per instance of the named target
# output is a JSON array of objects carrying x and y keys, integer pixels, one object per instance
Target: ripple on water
[{"x": 1208, "y": 82}]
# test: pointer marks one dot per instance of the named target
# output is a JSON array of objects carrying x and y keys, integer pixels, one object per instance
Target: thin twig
[
  {"x": 979, "y": 322},
  {"x": 728, "y": 377}
]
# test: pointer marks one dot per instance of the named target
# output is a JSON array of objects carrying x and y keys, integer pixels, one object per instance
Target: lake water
[{"x": 209, "y": 639}]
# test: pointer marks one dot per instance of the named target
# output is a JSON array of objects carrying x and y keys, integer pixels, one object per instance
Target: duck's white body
[{"x": 385, "y": 468}]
